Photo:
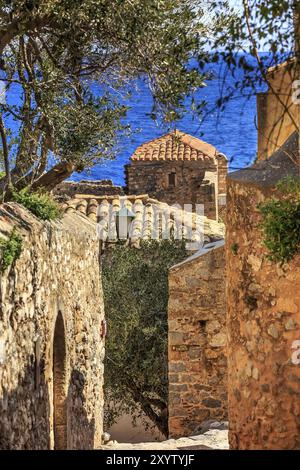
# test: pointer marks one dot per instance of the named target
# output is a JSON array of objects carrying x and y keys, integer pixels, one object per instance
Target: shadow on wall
[
  {"x": 25, "y": 413},
  {"x": 81, "y": 430},
  {"x": 25, "y": 422}
]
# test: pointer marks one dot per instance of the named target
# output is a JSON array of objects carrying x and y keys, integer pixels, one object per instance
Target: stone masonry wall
[
  {"x": 51, "y": 351},
  {"x": 275, "y": 124},
  {"x": 263, "y": 324},
  {"x": 196, "y": 182},
  {"x": 197, "y": 341},
  {"x": 97, "y": 188}
]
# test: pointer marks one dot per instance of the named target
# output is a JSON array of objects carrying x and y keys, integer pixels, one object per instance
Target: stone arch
[{"x": 59, "y": 384}]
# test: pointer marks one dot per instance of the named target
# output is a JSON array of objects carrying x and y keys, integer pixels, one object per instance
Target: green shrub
[
  {"x": 289, "y": 186},
  {"x": 235, "y": 248},
  {"x": 10, "y": 249},
  {"x": 41, "y": 205},
  {"x": 281, "y": 221}
]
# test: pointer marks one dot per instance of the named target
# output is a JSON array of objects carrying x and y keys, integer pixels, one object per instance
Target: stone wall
[
  {"x": 263, "y": 322},
  {"x": 51, "y": 351},
  {"x": 96, "y": 188},
  {"x": 275, "y": 123},
  {"x": 194, "y": 182},
  {"x": 197, "y": 341}
]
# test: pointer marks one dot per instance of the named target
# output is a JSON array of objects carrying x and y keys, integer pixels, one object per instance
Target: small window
[{"x": 172, "y": 179}]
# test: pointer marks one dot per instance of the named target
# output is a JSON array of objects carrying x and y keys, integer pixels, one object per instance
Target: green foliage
[
  {"x": 235, "y": 248},
  {"x": 289, "y": 186},
  {"x": 258, "y": 35},
  {"x": 74, "y": 63},
  {"x": 281, "y": 221},
  {"x": 85, "y": 132},
  {"x": 41, "y": 205},
  {"x": 135, "y": 284},
  {"x": 10, "y": 249}
]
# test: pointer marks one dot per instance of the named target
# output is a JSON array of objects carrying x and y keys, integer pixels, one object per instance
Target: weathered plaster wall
[
  {"x": 263, "y": 322},
  {"x": 51, "y": 351},
  {"x": 197, "y": 341},
  {"x": 196, "y": 182}
]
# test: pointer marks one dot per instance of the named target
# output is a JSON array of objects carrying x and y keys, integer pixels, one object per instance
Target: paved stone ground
[{"x": 213, "y": 439}]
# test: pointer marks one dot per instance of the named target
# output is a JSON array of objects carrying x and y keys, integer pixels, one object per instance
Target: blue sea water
[{"x": 233, "y": 131}]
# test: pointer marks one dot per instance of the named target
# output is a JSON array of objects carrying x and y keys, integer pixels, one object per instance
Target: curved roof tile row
[
  {"x": 175, "y": 146},
  {"x": 152, "y": 219}
]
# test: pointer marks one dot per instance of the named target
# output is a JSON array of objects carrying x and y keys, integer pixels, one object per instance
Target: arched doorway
[{"x": 59, "y": 385}]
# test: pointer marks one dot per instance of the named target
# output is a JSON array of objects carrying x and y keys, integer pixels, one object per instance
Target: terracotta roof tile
[
  {"x": 152, "y": 218},
  {"x": 175, "y": 146}
]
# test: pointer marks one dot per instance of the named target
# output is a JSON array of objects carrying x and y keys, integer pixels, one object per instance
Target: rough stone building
[
  {"x": 51, "y": 345},
  {"x": 263, "y": 316},
  {"x": 277, "y": 113},
  {"x": 197, "y": 341},
  {"x": 179, "y": 169}
]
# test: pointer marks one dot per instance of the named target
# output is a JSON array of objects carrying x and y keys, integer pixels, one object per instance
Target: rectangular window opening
[{"x": 172, "y": 179}]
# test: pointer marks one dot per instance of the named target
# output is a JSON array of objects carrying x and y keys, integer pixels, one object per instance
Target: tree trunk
[
  {"x": 44, "y": 183},
  {"x": 7, "y": 180},
  {"x": 297, "y": 56},
  {"x": 21, "y": 25},
  {"x": 158, "y": 418},
  {"x": 53, "y": 177}
]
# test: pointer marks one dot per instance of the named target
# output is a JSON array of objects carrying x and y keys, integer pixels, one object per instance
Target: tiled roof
[
  {"x": 175, "y": 146},
  {"x": 153, "y": 219}
]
